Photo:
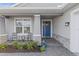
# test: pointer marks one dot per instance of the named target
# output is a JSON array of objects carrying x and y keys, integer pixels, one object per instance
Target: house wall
[
  {"x": 3, "y": 35},
  {"x": 10, "y": 26},
  {"x": 2, "y": 25},
  {"x": 62, "y": 33},
  {"x": 75, "y": 31},
  {"x": 36, "y": 30}
]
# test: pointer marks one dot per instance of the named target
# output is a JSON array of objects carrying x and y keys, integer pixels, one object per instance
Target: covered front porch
[{"x": 22, "y": 28}]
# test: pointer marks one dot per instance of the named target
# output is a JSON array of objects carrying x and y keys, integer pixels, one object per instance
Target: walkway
[{"x": 54, "y": 49}]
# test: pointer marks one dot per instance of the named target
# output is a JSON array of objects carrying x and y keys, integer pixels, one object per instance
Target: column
[{"x": 36, "y": 30}]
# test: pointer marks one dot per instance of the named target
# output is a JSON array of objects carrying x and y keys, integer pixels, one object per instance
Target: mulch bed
[{"x": 11, "y": 49}]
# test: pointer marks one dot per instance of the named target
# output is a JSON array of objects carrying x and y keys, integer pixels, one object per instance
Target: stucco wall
[
  {"x": 75, "y": 33},
  {"x": 74, "y": 46},
  {"x": 59, "y": 26},
  {"x": 62, "y": 33}
]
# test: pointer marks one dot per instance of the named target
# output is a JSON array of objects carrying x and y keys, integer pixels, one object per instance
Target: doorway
[{"x": 47, "y": 28}]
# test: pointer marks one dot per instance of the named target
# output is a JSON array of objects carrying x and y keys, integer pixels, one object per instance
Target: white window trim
[{"x": 23, "y": 28}]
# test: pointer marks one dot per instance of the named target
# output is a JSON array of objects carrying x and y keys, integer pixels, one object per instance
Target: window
[
  {"x": 26, "y": 29},
  {"x": 23, "y": 26},
  {"x": 18, "y": 29}
]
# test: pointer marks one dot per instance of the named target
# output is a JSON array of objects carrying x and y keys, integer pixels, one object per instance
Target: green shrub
[
  {"x": 3, "y": 46},
  {"x": 17, "y": 45},
  {"x": 25, "y": 46},
  {"x": 30, "y": 45},
  {"x": 34, "y": 44},
  {"x": 42, "y": 49}
]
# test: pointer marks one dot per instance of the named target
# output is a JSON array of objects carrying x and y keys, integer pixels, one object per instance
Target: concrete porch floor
[{"x": 54, "y": 49}]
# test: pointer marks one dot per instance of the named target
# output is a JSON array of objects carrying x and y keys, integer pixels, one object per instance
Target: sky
[{"x": 6, "y": 4}]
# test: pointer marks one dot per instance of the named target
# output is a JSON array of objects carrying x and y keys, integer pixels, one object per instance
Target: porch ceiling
[{"x": 33, "y": 8}]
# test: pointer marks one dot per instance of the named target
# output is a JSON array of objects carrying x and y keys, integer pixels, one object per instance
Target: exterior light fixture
[{"x": 67, "y": 23}]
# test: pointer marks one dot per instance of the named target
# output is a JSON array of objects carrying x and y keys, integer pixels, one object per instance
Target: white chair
[
  {"x": 29, "y": 36},
  {"x": 14, "y": 36},
  {"x": 10, "y": 37}
]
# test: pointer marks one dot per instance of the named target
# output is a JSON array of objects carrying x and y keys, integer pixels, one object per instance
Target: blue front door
[{"x": 46, "y": 29}]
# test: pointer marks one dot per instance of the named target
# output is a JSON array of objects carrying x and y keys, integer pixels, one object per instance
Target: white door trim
[{"x": 51, "y": 25}]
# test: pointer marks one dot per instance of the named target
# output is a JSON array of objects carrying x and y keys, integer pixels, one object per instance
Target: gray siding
[
  {"x": 9, "y": 25},
  {"x": 2, "y": 25}
]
